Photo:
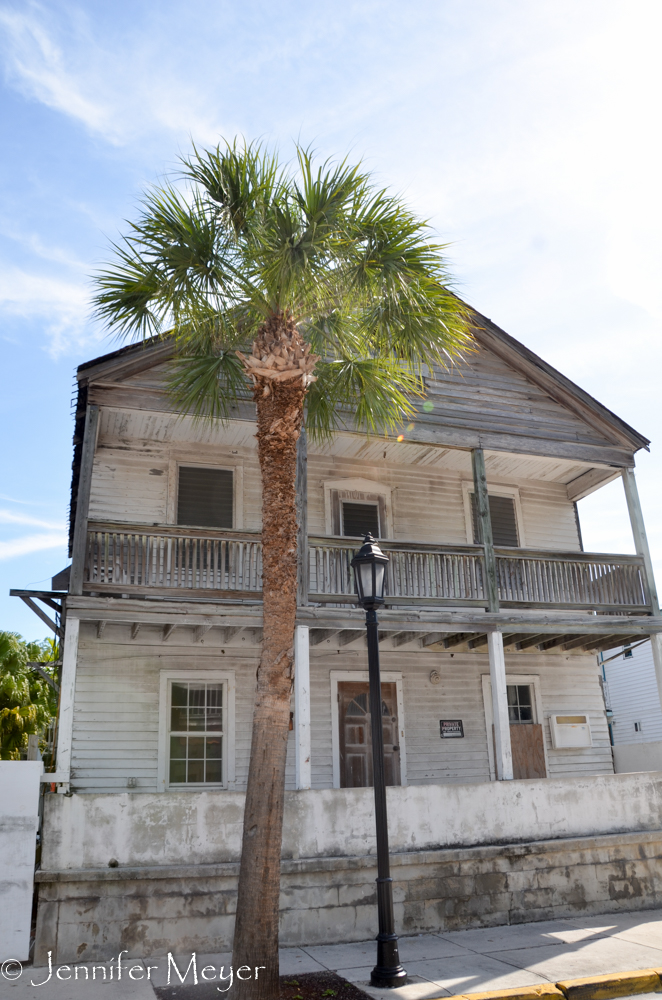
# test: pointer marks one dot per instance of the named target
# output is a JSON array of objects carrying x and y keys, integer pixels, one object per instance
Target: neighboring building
[
  {"x": 633, "y": 700},
  {"x": 162, "y": 639}
]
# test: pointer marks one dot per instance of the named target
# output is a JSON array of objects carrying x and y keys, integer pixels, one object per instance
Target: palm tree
[{"x": 327, "y": 297}]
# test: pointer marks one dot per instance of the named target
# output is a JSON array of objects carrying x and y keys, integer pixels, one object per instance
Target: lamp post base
[{"x": 388, "y": 973}]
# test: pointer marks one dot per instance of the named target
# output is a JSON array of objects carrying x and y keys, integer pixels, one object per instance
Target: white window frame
[
  {"x": 388, "y": 677},
  {"x": 361, "y": 486},
  {"x": 227, "y": 678},
  {"x": 237, "y": 490},
  {"x": 496, "y": 491},
  {"x": 534, "y": 681}
]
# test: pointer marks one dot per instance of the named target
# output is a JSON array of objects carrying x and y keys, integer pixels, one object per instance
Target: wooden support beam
[
  {"x": 610, "y": 641},
  {"x": 479, "y": 642},
  {"x": 502, "y": 747},
  {"x": 349, "y": 635},
  {"x": 485, "y": 527},
  {"x": 553, "y": 641},
  {"x": 39, "y": 669},
  {"x": 581, "y": 641},
  {"x": 639, "y": 535},
  {"x": 79, "y": 547},
  {"x": 135, "y": 629},
  {"x": 526, "y": 642},
  {"x": 201, "y": 631},
  {"x": 55, "y": 605},
  {"x": 302, "y": 519},
  {"x": 228, "y": 633},
  {"x": 432, "y": 638},
  {"x": 402, "y": 638},
  {"x": 512, "y": 638},
  {"x": 101, "y": 628},
  {"x": 41, "y": 614},
  {"x": 320, "y": 635},
  {"x": 457, "y": 638},
  {"x": 167, "y": 631}
]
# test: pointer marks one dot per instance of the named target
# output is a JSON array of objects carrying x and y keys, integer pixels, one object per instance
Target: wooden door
[
  {"x": 356, "y": 736},
  {"x": 526, "y": 741}
]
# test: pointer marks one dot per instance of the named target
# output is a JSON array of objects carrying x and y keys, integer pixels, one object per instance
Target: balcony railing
[{"x": 174, "y": 560}]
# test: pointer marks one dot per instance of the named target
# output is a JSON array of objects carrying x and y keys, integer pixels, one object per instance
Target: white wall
[
  {"x": 19, "y": 804},
  {"x": 633, "y": 696},
  {"x": 86, "y": 831},
  {"x": 630, "y": 757}
]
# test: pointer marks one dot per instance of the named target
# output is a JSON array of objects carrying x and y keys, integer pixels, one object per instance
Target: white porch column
[
  {"x": 502, "y": 751},
  {"x": 639, "y": 533},
  {"x": 65, "y": 724},
  {"x": 302, "y": 705}
]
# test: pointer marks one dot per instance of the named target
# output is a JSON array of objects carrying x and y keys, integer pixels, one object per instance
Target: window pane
[
  {"x": 178, "y": 747},
  {"x": 360, "y": 518},
  {"x": 205, "y": 497},
  {"x": 177, "y": 771},
  {"x": 214, "y": 747},
  {"x": 196, "y": 771},
  {"x": 524, "y": 694},
  {"x": 214, "y": 706},
  {"x": 179, "y": 694},
  {"x": 196, "y": 712},
  {"x": 178, "y": 720},
  {"x": 214, "y": 771},
  {"x": 196, "y": 747},
  {"x": 525, "y": 713}
]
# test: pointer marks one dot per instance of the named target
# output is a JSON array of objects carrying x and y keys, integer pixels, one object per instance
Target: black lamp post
[{"x": 369, "y": 567}]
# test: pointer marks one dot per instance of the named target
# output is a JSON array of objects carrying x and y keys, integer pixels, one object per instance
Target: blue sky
[{"x": 526, "y": 132}]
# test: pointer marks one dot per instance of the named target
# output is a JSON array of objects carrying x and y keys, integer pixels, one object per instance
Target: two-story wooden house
[{"x": 488, "y": 652}]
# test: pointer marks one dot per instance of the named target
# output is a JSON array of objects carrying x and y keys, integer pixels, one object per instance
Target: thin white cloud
[
  {"x": 31, "y": 543},
  {"x": 64, "y": 306},
  {"x": 8, "y": 517}
]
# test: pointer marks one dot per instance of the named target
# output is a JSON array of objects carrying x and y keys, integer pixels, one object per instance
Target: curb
[{"x": 621, "y": 984}]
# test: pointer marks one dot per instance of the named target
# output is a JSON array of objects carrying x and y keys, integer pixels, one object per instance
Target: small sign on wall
[{"x": 451, "y": 729}]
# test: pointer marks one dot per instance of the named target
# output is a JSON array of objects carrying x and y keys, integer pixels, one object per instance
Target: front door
[{"x": 356, "y": 736}]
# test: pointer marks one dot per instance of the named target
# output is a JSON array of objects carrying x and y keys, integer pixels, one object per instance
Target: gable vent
[{"x": 205, "y": 497}]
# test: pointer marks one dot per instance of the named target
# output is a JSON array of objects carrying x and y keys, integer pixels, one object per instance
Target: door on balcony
[
  {"x": 356, "y": 734},
  {"x": 526, "y": 736}
]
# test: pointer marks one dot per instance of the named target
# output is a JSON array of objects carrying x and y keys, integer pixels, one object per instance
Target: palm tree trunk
[{"x": 279, "y": 420}]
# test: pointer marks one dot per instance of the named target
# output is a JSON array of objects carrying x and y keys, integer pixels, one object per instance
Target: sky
[{"x": 527, "y": 133}]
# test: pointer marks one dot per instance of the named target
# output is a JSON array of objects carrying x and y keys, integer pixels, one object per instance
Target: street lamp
[{"x": 369, "y": 566}]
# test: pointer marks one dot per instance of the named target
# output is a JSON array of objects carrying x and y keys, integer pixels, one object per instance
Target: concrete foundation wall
[
  {"x": 86, "y": 915},
  {"x": 86, "y": 831},
  {"x": 19, "y": 817},
  {"x": 630, "y": 757}
]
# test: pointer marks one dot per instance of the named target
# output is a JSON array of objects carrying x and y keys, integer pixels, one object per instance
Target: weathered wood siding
[{"x": 117, "y": 706}]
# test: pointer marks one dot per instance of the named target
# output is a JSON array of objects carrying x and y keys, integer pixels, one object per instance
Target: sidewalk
[{"x": 438, "y": 964}]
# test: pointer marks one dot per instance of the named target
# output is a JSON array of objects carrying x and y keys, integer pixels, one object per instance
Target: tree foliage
[
  {"x": 28, "y": 703},
  {"x": 246, "y": 238}
]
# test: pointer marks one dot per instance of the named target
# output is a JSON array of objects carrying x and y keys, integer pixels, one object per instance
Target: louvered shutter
[
  {"x": 205, "y": 497},
  {"x": 360, "y": 518},
  {"x": 503, "y": 518}
]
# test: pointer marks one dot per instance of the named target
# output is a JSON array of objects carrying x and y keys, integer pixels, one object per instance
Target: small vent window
[
  {"x": 360, "y": 518},
  {"x": 503, "y": 518},
  {"x": 205, "y": 497}
]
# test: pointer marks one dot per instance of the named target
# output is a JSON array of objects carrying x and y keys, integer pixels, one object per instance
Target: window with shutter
[
  {"x": 205, "y": 497},
  {"x": 503, "y": 518},
  {"x": 360, "y": 518}
]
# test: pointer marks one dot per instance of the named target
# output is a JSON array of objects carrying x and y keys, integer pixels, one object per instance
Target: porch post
[
  {"x": 302, "y": 705},
  {"x": 485, "y": 527},
  {"x": 65, "y": 725},
  {"x": 79, "y": 546},
  {"x": 641, "y": 545},
  {"x": 639, "y": 533},
  {"x": 302, "y": 518},
  {"x": 502, "y": 751}
]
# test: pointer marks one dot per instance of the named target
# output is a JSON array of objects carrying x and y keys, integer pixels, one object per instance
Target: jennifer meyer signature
[{"x": 12, "y": 969}]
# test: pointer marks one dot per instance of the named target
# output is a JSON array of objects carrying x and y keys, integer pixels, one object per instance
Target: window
[
  {"x": 627, "y": 652},
  {"x": 195, "y": 733},
  {"x": 520, "y": 703},
  {"x": 638, "y": 727},
  {"x": 205, "y": 497},
  {"x": 503, "y": 517},
  {"x": 360, "y": 518}
]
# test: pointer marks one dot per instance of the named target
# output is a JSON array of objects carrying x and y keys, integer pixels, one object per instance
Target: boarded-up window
[
  {"x": 503, "y": 518},
  {"x": 205, "y": 497},
  {"x": 360, "y": 518}
]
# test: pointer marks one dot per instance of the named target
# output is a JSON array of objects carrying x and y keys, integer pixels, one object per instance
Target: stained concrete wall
[
  {"x": 90, "y": 915},
  {"x": 86, "y": 831},
  {"x": 19, "y": 805}
]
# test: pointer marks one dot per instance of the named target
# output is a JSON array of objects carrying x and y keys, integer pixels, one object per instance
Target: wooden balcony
[{"x": 190, "y": 562}]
